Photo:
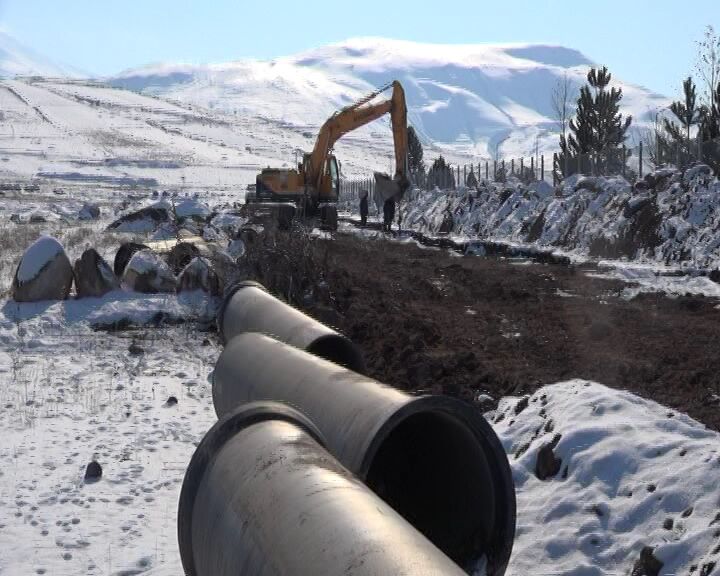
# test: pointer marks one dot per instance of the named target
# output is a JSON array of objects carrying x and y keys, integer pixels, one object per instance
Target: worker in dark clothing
[
  {"x": 363, "y": 207},
  {"x": 388, "y": 213}
]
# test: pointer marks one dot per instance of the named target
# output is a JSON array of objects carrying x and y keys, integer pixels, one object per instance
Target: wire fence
[{"x": 632, "y": 163}]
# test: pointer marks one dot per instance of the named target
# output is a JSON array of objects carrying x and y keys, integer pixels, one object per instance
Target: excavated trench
[{"x": 475, "y": 327}]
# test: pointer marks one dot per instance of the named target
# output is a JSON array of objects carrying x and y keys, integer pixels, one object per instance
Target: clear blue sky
[{"x": 649, "y": 42}]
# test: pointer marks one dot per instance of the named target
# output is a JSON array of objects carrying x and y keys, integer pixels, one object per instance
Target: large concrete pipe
[
  {"x": 249, "y": 308},
  {"x": 261, "y": 496},
  {"x": 434, "y": 459}
]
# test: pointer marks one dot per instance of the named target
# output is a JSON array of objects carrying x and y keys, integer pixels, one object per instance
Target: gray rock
[
  {"x": 93, "y": 276},
  {"x": 123, "y": 255},
  {"x": 148, "y": 273},
  {"x": 199, "y": 275},
  {"x": 647, "y": 564},
  {"x": 93, "y": 472},
  {"x": 547, "y": 464},
  {"x": 89, "y": 211},
  {"x": 44, "y": 272},
  {"x": 143, "y": 220}
]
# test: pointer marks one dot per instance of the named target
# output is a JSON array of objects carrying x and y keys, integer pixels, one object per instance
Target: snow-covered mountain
[
  {"x": 19, "y": 60},
  {"x": 465, "y": 98}
]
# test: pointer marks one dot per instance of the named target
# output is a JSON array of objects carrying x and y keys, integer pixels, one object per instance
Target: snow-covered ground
[{"x": 633, "y": 474}]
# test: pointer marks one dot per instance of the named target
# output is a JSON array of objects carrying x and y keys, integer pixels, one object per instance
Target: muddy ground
[{"x": 467, "y": 326}]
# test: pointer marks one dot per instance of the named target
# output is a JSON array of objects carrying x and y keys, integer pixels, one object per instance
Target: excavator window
[{"x": 334, "y": 176}]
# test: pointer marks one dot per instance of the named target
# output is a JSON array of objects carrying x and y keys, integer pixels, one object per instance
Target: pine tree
[
  {"x": 416, "y": 165},
  {"x": 441, "y": 174},
  {"x": 471, "y": 181},
  {"x": 598, "y": 130},
  {"x": 673, "y": 141}
]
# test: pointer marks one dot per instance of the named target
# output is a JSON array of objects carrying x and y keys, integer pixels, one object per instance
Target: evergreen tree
[
  {"x": 441, "y": 174},
  {"x": 598, "y": 130},
  {"x": 673, "y": 142},
  {"x": 471, "y": 181},
  {"x": 416, "y": 165}
]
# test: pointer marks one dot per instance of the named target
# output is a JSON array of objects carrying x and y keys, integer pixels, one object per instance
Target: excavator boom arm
[{"x": 359, "y": 114}]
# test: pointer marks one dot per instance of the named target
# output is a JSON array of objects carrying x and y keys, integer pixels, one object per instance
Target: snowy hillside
[
  {"x": 19, "y": 60},
  {"x": 464, "y": 98}
]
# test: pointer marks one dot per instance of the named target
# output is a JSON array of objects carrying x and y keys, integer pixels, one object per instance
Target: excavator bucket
[{"x": 386, "y": 188}]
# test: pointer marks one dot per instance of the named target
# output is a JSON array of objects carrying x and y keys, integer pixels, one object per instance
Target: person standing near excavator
[
  {"x": 388, "y": 214},
  {"x": 363, "y": 207}
]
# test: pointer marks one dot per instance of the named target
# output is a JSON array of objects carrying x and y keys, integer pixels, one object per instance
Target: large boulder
[
  {"x": 192, "y": 209},
  {"x": 123, "y": 255},
  {"x": 93, "y": 276},
  {"x": 199, "y": 275},
  {"x": 144, "y": 220},
  {"x": 44, "y": 272},
  {"x": 89, "y": 211},
  {"x": 181, "y": 255},
  {"x": 148, "y": 273}
]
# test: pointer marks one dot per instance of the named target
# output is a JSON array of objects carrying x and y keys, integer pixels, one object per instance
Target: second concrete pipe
[
  {"x": 248, "y": 307},
  {"x": 434, "y": 459}
]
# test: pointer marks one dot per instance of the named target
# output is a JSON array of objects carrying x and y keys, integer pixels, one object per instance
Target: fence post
[
  {"x": 494, "y": 170},
  {"x": 640, "y": 160},
  {"x": 512, "y": 166},
  {"x": 699, "y": 147},
  {"x": 532, "y": 167},
  {"x": 502, "y": 167},
  {"x": 542, "y": 167},
  {"x": 458, "y": 183},
  {"x": 486, "y": 169},
  {"x": 521, "y": 167},
  {"x": 464, "y": 174}
]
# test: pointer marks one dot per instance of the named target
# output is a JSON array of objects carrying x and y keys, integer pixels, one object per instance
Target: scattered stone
[
  {"x": 93, "y": 472},
  {"x": 148, "y": 273},
  {"x": 124, "y": 254},
  {"x": 548, "y": 464},
  {"x": 651, "y": 488},
  {"x": 89, "y": 211},
  {"x": 93, "y": 276},
  {"x": 668, "y": 524},
  {"x": 192, "y": 209},
  {"x": 522, "y": 404},
  {"x": 647, "y": 564},
  {"x": 44, "y": 272},
  {"x": 236, "y": 248},
  {"x": 37, "y": 219},
  {"x": 135, "y": 349},
  {"x": 143, "y": 220},
  {"x": 181, "y": 254},
  {"x": 707, "y": 568},
  {"x": 687, "y": 512},
  {"x": 171, "y": 401},
  {"x": 199, "y": 275}
]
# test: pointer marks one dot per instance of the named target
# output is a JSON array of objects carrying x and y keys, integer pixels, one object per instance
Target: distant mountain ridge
[
  {"x": 19, "y": 60},
  {"x": 471, "y": 98}
]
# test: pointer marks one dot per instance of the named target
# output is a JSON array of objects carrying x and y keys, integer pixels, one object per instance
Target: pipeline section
[
  {"x": 262, "y": 497},
  {"x": 433, "y": 459},
  {"x": 248, "y": 307}
]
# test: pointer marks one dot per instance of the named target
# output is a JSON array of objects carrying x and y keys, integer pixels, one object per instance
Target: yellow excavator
[{"x": 315, "y": 186}]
